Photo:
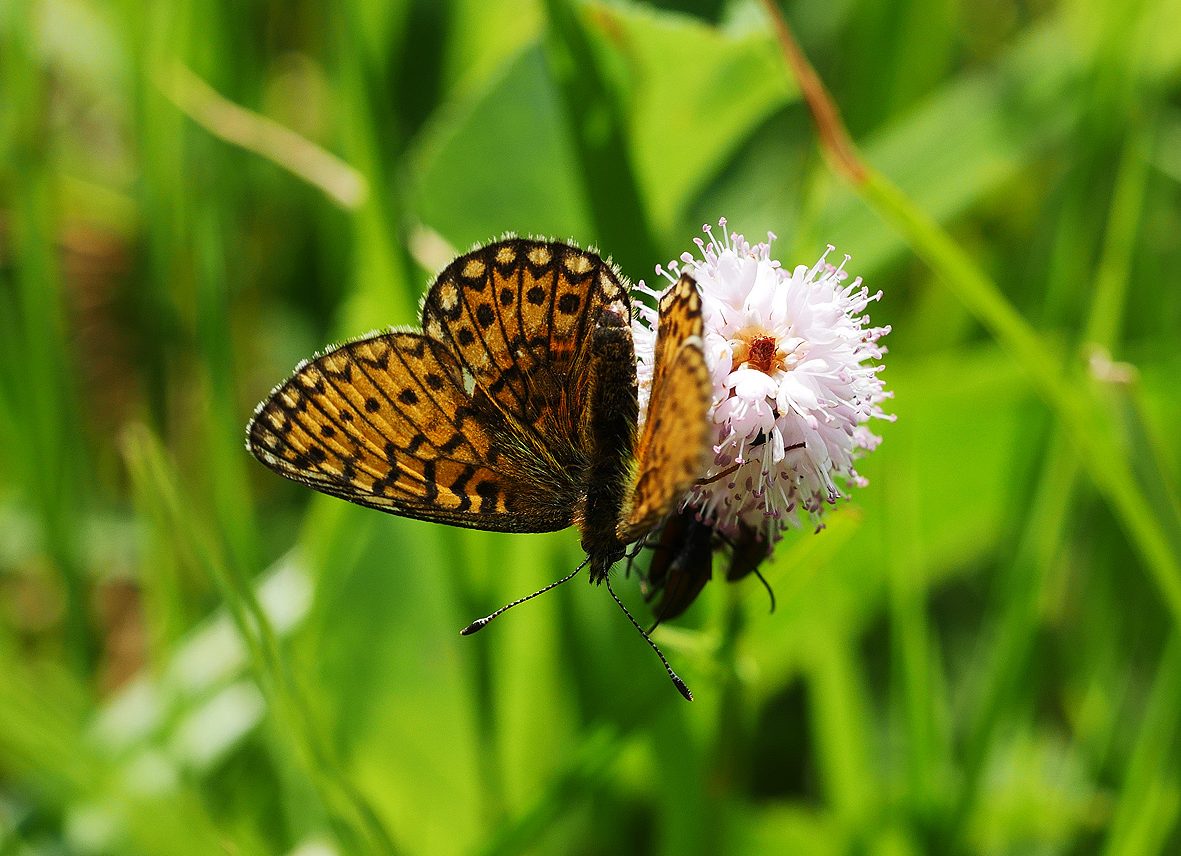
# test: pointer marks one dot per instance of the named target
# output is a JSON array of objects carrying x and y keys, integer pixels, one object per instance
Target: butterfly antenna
[
  {"x": 677, "y": 682},
  {"x": 481, "y": 623},
  {"x": 767, "y": 586}
]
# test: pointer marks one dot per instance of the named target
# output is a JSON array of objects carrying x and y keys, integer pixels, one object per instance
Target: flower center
[{"x": 762, "y": 353}]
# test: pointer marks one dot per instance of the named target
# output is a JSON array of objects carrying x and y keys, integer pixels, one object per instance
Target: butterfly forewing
[
  {"x": 675, "y": 442},
  {"x": 519, "y": 315}
]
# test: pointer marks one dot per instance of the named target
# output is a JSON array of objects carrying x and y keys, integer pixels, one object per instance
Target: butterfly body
[{"x": 609, "y": 431}]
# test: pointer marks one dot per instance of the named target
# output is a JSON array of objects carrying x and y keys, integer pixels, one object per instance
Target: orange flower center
[{"x": 762, "y": 353}]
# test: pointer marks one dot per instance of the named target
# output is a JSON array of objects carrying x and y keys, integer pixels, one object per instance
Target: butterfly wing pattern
[
  {"x": 513, "y": 409},
  {"x": 474, "y": 423}
]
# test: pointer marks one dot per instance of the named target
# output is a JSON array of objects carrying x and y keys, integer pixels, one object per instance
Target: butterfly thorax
[{"x": 609, "y": 433}]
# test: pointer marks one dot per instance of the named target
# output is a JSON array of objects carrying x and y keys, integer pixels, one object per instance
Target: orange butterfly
[{"x": 513, "y": 409}]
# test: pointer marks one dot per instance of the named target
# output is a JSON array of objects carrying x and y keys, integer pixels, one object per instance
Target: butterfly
[
  {"x": 513, "y": 409},
  {"x": 683, "y": 549}
]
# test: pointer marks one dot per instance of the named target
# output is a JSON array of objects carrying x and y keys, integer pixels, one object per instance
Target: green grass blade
[
  {"x": 356, "y": 821},
  {"x": 596, "y": 125}
]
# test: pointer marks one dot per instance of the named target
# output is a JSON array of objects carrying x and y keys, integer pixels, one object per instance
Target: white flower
[{"x": 796, "y": 378}]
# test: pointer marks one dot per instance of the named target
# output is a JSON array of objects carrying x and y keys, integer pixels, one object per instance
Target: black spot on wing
[
  {"x": 488, "y": 492},
  {"x": 459, "y": 488}
]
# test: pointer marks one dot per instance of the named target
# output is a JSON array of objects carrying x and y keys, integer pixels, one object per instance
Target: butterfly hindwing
[
  {"x": 386, "y": 422},
  {"x": 676, "y": 439}
]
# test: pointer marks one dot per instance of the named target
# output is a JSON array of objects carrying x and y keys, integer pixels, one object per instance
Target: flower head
[{"x": 793, "y": 359}]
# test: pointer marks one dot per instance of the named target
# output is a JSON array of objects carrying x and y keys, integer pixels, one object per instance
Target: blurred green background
[{"x": 977, "y": 655}]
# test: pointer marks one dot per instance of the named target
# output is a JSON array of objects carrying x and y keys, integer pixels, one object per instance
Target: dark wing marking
[
  {"x": 387, "y": 422},
  {"x": 518, "y": 315}
]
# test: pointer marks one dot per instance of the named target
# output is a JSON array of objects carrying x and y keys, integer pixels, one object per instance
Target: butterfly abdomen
[{"x": 609, "y": 432}]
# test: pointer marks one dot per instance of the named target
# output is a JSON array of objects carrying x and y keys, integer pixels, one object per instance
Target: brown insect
[{"x": 513, "y": 409}]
